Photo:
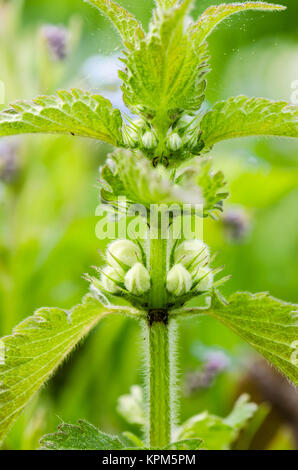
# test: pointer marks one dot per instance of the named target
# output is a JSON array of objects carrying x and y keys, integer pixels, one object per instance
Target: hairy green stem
[
  {"x": 158, "y": 272},
  {"x": 159, "y": 349},
  {"x": 159, "y": 385}
]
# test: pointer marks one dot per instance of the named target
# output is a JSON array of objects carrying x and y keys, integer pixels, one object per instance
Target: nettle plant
[{"x": 152, "y": 280}]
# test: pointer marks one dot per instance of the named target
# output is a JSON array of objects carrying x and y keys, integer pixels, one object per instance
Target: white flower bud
[
  {"x": 179, "y": 280},
  {"x": 137, "y": 279},
  {"x": 108, "y": 277},
  {"x": 125, "y": 251},
  {"x": 206, "y": 277},
  {"x": 139, "y": 123},
  {"x": 149, "y": 140},
  {"x": 184, "y": 121},
  {"x": 195, "y": 251},
  {"x": 174, "y": 141}
]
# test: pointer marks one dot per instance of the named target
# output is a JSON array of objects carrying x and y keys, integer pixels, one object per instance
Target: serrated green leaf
[
  {"x": 241, "y": 117},
  {"x": 268, "y": 324},
  {"x": 81, "y": 436},
  {"x": 166, "y": 72},
  {"x": 136, "y": 179},
  {"x": 36, "y": 348},
  {"x": 219, "y": 433},
  {"x": 216, "y": 14},
  {"x": 127, "y": 25},
  {"x": 69, "y": 113},
  {"x": 186, "y": 444}
]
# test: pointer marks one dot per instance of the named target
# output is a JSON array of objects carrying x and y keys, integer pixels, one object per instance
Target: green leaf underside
[
  {"x": 216, "y": 14},
  {"x": 126, "y": 24},
  {"x": 141, "y": 184},
  {"x": 219, "y": 433},
  {"x": 242, "y": 117},
  {"x": 35, "y": 349},
  {"x": 69, "y": 113},
  {"x": 83, "y": 436},
  {"x": 267, "y": 324},
  {"x": 166, "y": 71}
]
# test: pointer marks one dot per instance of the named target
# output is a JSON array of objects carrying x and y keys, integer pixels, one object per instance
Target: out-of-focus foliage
[
  {"x": 48, "y": 202},
  {"x": 219, "y": 433}
]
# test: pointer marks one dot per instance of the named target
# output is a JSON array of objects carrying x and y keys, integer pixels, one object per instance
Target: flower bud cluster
[
  {"x": 126, "y": 274},
  {"x": 183, "y": 136},
  {"x": 190, "y": 271},
  {"x": 125, "y": 270}
]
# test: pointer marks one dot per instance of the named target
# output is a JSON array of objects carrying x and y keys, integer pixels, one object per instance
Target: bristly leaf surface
[
  {"x": 268, "y": 324},
  {"x": 166, "y": 72},
  {"x": 215, "y": 14},
  {"x": 69, "y": 113},
  {"x": 81, "y": 436},
  {"x": 85, "y": 436},
  {"x": 243, "y": 117},
  {"x": 127, "y": 25},
  {"x": 36, "y": 348}
]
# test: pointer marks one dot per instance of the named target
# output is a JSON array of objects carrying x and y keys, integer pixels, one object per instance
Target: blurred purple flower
[
  {"x": 215, "y": 363},
  {"x": 57, "y": 39},
  {"x": 236, "y": 224},
  {"x": 9, "y": 162}
]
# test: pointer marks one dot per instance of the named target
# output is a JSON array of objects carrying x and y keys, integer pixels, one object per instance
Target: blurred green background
[{"x": 48, "y": 197}]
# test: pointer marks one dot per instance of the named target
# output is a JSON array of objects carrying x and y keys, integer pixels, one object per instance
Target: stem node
[{"x": 158, "y": 315}]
